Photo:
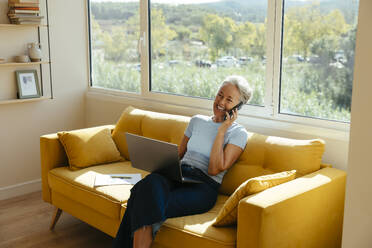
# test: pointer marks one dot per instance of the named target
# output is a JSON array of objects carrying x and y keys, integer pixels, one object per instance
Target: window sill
[{"x": 268, "y": 125}]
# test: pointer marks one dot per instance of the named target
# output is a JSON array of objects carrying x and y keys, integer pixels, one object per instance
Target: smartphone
[{"x": 238, "y": 106}]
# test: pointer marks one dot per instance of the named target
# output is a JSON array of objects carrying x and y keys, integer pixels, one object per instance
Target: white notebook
[{"x": 116, "y": 179}]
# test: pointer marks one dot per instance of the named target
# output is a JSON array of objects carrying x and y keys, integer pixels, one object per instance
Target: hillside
[{"x": 239, "y": 10}]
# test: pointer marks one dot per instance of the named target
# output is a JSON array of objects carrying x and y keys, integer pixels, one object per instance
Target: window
[
  {"x": 318, "y": 58},
  {"x": 195, "y": 46},
  {"x": 298, "y": 55},
  {"x": 115, "y": 29}
]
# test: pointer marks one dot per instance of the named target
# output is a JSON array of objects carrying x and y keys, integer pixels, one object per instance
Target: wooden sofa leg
[{"x": 56, "y": 215}]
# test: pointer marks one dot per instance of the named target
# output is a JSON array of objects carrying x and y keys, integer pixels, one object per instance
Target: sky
[
  {"x": 180, "y": 1},
  {"x": 164, "y": 1}
]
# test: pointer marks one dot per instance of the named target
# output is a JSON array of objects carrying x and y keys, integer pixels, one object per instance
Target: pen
[{"x": 122, "y": 177}]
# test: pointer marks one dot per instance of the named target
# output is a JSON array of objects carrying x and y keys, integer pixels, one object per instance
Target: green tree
[
  {"x": 97, "y": 34},
  {"x": 218, "y": 33},
  {"x": 325, "y": 48},
  {"x": 245, "y": 36},
  {"x": 251, "y": 39},
  {"x": 332, "y": 77},
  {"x": 347, "y": 45},
  {"x": 259, "y": 44},
  {"x": 183, "y": 33},
  {"x": 160, "y": 32},
  {"x": 117, "y": 44},
  {"x": 304, "y": 25}
]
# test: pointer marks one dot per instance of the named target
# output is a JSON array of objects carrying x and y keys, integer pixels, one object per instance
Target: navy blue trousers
[{"x": 156, "y": 198}]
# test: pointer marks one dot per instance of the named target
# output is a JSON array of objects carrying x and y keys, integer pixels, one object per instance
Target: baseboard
[{"x": 20, "y": 189}]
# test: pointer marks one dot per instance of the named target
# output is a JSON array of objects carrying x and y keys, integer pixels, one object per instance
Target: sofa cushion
[
  {"x": 197, "y": 230},
  {"x": 90, "y": 146},
  {"x": 268, "y": 154},
  {"x": 282, "y": 154},
  {"x": 130, "y": 121},
  {"x": 229, "y": 212},
  {"x": 165, "y": 127},
  {"x": 239, "y": 173},
  {"x": 254, "y": 151},
  {"x": 79, "y": 186}
]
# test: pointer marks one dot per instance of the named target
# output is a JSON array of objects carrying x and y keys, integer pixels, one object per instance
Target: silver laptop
[{"x": 156, "y": 156}]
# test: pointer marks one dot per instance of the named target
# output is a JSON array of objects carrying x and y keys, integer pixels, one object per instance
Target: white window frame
[{"x": 268, "y": 114}]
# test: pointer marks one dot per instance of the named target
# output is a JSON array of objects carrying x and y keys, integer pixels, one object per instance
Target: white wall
[
  {"x": 358, "y": 205},
  {"x": 22, "y": 124}
]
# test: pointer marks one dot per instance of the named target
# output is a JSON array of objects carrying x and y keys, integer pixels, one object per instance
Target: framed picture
[{"x": 28, "y": 84}]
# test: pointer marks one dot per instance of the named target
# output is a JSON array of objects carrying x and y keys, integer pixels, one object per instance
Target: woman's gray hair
[{"x": 241, "y": 84}]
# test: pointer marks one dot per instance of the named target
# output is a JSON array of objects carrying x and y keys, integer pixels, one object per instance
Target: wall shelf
[
  {"x": 24, "y": 64},
  {"x": 11, "y": 101},
  {"x": 27, "y": 33}
]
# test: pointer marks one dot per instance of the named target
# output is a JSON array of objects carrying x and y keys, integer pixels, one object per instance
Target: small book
[
  {"x": 26, "y": 22},
  {"x": 116, "y": 179},
  {"x": 21, "y": 15},
  {"x": 22, "y": 11},
  {"x": 23, "y": 1},
  {"x": 14, "y": 5},
  {"x": 24, "y": 18},
  {"x": 25, "y": 8},
  {"x": 15, "y": 16}
]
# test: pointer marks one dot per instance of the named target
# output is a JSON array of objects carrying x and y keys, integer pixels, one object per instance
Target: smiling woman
[{"x": 209, "y": 147}]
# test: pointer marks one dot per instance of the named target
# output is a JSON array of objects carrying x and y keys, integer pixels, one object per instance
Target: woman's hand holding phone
[
  {"x": 230, "y": 118},
  {"x": 231, "y": 115},
  {"x": 235, "y": 109}
]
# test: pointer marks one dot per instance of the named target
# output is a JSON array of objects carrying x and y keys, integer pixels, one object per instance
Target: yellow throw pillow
[
  {"x": 90, "y": 146},
  {"x": 155, "y": 125},
  {"x": 228, "y": 213},
  {"x": 240, "y": 173}
]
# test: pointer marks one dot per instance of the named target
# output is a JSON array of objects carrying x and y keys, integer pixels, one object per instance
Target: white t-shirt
[{"x": 202, "y": 131}]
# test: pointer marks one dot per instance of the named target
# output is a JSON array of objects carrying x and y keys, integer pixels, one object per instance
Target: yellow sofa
[{"x": 305, "y": 212}]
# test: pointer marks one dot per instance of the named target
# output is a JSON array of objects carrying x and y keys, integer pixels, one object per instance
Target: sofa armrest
[
  {"x": 305, "y": 212},
  {"x": 52, "y": 155}
]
